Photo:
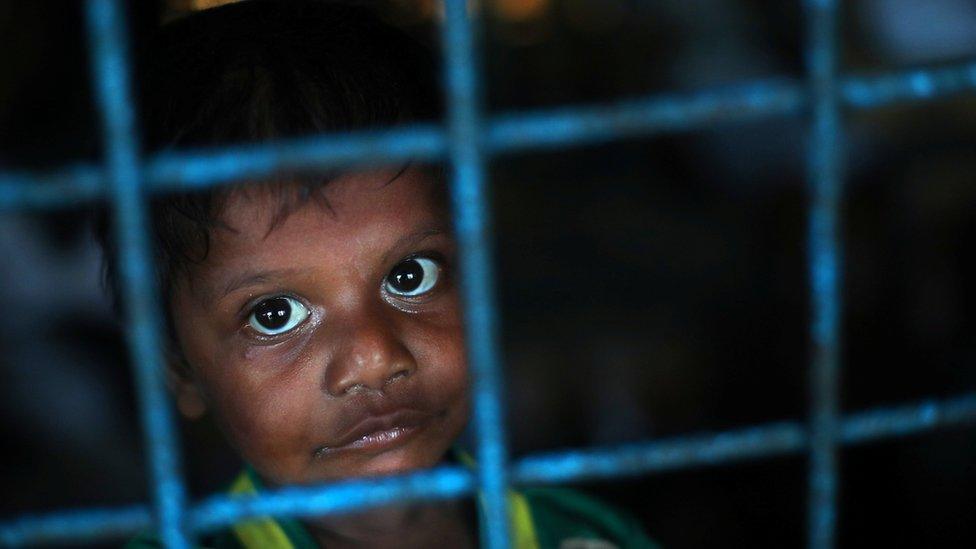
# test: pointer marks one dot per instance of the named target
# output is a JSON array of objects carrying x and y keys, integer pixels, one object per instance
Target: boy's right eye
[{"x": 277, "y": 315}]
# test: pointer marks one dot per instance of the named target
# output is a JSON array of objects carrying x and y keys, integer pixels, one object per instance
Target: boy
[{"x": 316, "y": 317}]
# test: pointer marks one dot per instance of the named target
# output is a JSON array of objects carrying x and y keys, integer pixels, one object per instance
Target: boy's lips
[{"x": 377, "y": 433}]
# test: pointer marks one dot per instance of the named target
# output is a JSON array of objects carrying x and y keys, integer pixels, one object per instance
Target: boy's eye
[
  {"x": 277, "y": 315},
  {"x": 413, "y": 277}
]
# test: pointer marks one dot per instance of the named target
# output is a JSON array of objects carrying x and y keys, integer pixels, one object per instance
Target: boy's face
[{"x": 330, "y": 345}]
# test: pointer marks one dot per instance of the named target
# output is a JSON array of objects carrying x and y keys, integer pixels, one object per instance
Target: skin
[{"x": 288, "y": 402}]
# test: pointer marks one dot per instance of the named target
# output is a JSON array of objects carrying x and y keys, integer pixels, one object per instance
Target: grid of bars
[{"x": 467, "y": 141}]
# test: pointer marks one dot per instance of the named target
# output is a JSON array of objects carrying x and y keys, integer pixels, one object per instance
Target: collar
[{"x": 286, "y": 533}]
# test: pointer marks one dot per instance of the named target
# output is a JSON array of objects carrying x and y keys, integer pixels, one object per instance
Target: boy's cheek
[
  {"x": 442, "y": 327},
  {"x": 261, "y": 402},
  {"x": 271, "y": 407},
  {"x": 270, "y": 429},
  {"x": 440, "y": 353}
]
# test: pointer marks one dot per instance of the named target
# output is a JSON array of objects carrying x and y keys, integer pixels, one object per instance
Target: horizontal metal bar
[
  {"x": 509, "y": 132},
  {"x": 736, "y": 445},
  {"x": 923, "y": 84},
  {"x": 200, "y": 168},
  {"x": 665, "y": 455},
  {"x": 440, "y": 483},
  {"x": 557, "y": 128},
  {"x": 213, "y": 512},
  {"x": 186, "y": 170},
  {"x": 174, "y": 171},
  {"x": 69, "y": 186},
  {"x": 551, "y": 467},
  {"x": 906, "y": 420},
  {"x": 75, "y": 525}
]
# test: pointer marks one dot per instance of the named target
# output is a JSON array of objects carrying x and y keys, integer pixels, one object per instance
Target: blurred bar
[
  {"x": 191, "y": 170},
  {"x": 684, "y": 452},
  {"x": 871, "y": 92},
  {"x": 721, "y": 448},
  {"x": 472, "y": 223},
  {"x": 67, "y": 526},
  {"x": 663, "y": 455},
  {"x": 507, "y": 132},
  {"x": 908, "y": 420},
  {"x": 68, "y": 187},
  {"x": 110, "y": 66},
  {"x": 562, "y": 127},
  {"x": 440, "y": 483},
  {"x": 825, "y": 181}
]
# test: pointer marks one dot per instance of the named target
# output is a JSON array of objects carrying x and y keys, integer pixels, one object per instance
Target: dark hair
[{"x": 257, "y": 70}]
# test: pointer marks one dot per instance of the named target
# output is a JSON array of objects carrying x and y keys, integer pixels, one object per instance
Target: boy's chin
[
  {"x": 393, "y": 467},
  {"x": 397, "y": 462}
]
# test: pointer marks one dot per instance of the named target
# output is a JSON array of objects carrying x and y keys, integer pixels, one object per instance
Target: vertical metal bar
[
  {"x": 824, "y": 173},
  {"x": 111, "y": 80},
  {"x": 473, "y": 225}
]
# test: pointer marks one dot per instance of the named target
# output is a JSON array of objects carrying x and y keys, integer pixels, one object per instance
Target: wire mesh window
[{"x": 467, "y": 140}]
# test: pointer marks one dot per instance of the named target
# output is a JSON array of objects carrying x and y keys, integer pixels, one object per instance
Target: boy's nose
[{"x": 368, "y": 355}]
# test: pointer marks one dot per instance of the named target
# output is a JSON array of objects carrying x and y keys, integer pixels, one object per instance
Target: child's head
[{"x": 315, "y": 317}]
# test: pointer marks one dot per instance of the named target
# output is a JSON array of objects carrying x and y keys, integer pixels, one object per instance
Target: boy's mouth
[{"x": 378, "y": 433}]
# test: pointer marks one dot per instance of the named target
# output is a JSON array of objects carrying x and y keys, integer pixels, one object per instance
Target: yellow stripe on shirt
[
  {"x": 267, "y": 533},
  {"x": 261, "y": 532},
  {"x": 520, "y": 519}
]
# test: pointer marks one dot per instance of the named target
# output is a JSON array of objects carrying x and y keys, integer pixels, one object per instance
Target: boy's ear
[{"x": 186, "y": 391}]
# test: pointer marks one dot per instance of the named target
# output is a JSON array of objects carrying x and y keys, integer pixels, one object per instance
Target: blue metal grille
[{"x": 467, "y": 140}]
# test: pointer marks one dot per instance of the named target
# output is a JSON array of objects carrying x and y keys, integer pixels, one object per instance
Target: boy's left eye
[
  {"x": 412, "y": 277},
  {"x": 277, "y": 315}
]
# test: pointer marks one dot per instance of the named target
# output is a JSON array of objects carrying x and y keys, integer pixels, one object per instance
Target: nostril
[
  {"x": 397, "y": 376},
  {"x": 354, "y": 388}
]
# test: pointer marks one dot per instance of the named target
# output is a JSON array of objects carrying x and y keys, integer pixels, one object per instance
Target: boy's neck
[{"x": 429, "y": 524}]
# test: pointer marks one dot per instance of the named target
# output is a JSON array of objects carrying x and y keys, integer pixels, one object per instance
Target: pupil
[
  {"x": 407, "y": 276},
  {"x": 273, "y": 313}
]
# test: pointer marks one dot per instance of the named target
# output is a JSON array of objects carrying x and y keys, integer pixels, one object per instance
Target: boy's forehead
[
  {"x": 344, "y": 198},
  {"x": 354, "y": 213}
]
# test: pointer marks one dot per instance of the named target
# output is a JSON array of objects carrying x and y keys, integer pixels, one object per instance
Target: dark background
[{"x": 649, "y": 288}]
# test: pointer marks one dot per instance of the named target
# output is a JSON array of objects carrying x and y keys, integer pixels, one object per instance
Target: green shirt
[{"x": 540, "y": 518}]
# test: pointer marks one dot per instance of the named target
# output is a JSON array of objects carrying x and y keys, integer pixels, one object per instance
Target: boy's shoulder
[{"x": 563, "y": 518}]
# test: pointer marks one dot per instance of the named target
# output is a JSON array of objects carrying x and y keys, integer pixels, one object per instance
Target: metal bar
[
  {"x": 472, "y": 222},
  {"x": 222, "y": 510},
  {"x": 659, "y": 456},
  {"x": 655, "y": 457},
  {"x": 75, "y": 525},
  {"x": 824, "y": 256},
  {"x": 202, "y": 168},
  {"x": 579, "y": 125},
  {"x": 708, "y": 449},
  {"x": 506, "y": 133},
  {"x": 915, "y": 418},
  {"x": 110, "y": 63},
  {"x": 923, "y": 84},
  {"x": 69, "y": 186},
  {"x": 306, "y": 501}
]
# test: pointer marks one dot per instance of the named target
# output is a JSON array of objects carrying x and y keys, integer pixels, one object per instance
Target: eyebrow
[
  {"x": 253, "y": 278},
  {"x": 257, "y": 277},
  {"x": 413, "y": 239}
]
